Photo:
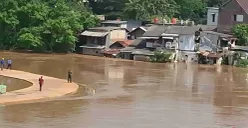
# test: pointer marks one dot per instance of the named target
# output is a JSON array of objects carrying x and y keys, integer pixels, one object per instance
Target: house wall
[
  {"x": 226, "y": 16},
  {"x": 141, "y": 58},
  {"x": 108, "y": 41},
  {"x": 210, "y": 15},
  {"x": 96, "y": 40},
  {"x": 186, "y": 42},
  {"x": 123, "y": 25},
  {"x": 118, "y": 34},
  {"x": 126, "y": 55},
  {"x": 92, "y": 51}
]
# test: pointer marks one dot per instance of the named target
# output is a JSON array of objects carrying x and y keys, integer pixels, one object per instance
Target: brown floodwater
[
  {"x": 13, "y": 83},
  {"x": 133, "y": 95}
]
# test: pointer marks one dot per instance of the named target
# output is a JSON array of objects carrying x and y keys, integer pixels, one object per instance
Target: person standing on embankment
[
  {"x": 2, "y": 64},
  {"x": 9, "y": 62},
  {"x": 69, "y": 76},
  {"x": 41, "y": 82}
]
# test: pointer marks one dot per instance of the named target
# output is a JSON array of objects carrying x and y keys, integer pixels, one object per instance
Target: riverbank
[{"x": 53, "y": 87}]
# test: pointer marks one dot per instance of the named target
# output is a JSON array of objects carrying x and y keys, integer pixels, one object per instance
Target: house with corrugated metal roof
[
  {"x": 95, "y": 40},
  {"x": 161, "y": 37},
  {"x": 182, "y": 39},
  {"x": 231, "y": 13},
  {"x": 137, "y": 32}
]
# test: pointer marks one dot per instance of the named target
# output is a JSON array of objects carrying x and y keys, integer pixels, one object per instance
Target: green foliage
[
  {"x": 241, "y": 32},
  {"x": 225, "y": 60},
  {"x": 160, "y": 57},
  {"x": 192, "y": 9},
  {"x": 112, "y": 9},
  {"x": 43, "y": 25},
  {"x": 216, "y": 3},
  {"x": 146, "y": 9},
  {"x": 243, "y": 63}
]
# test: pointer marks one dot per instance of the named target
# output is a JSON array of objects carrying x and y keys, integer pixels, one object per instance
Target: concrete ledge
[{"x": 52, "y": 88}]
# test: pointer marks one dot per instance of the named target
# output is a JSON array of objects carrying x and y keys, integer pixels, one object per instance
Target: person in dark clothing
[
  {"x": 41, "y": 82},
  {"x": 9, "y": 62},
  {"x": 2, "y": 63},
  {"x": 186, "y": 61},
  {"x": 69, "y": 76}
]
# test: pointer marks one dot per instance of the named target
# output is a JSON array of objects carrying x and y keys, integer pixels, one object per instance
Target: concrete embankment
[{"x": 52, "y": 88}]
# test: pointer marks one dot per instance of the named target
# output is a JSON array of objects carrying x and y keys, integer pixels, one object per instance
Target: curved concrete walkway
[{"x": 52, "y": 88}]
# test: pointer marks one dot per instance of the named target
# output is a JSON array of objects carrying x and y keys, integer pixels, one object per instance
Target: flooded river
[{"x": 133, "y": 95}]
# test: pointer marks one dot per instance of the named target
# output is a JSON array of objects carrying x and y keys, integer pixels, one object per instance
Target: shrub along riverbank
[{"x": 161, "y": 57}]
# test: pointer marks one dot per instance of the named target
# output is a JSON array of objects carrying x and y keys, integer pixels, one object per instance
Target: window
[
  {"x": 238, "y": 18},
  {"x": 213, "y": 17},
  {"x": 235, "y": 17},
  {"x": 149, "y": 44},
  {"x": 168, "y": 45}
]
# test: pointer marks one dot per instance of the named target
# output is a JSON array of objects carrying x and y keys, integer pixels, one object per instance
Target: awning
[
  {"x": 94, "y": 34},
  {"x": 92, "y": 47},
  {"x": 170, "y": 35},
  {"x": 171, "y": 38},
  {"x": 148, "y": 37}
]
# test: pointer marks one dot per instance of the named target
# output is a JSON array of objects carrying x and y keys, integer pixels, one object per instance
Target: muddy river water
[{"x": 133, "y": 95}]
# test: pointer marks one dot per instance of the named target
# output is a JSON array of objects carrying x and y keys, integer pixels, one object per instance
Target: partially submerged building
[
  {"x": 115, "y": 48},
  {"x": 99, "y": 38},
  {"x": 180, "y": 39},
  {"x": 213, "y": 46}
]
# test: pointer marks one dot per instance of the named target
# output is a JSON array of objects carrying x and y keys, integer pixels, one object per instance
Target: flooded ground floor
[{"x": 133, "y": 94}]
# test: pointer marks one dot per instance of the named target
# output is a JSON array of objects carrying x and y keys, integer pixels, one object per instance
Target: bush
[
  {"x": 241, "y": 32},
  {"x": 243, "y": 63},
  {"x": 160, "y": 57}
]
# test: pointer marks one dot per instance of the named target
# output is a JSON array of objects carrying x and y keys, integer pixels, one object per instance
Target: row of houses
[
  {"x": 140, "y": 43},
  {"x": 134, "y": 41}
]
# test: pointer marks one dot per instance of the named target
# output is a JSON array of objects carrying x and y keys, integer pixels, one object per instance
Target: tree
[
  {"x": 216, "y": 3},
  {"x": 44, "y": 25},
  {"x": 112, "y": 9},
  {"x": 192, "y": 9},
  {"x": 241, "y": 32},
  {"x": 147, "y": 9}
]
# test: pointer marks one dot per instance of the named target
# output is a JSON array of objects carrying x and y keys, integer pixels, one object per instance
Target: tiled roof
[{"x": 124, "y": 42}]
